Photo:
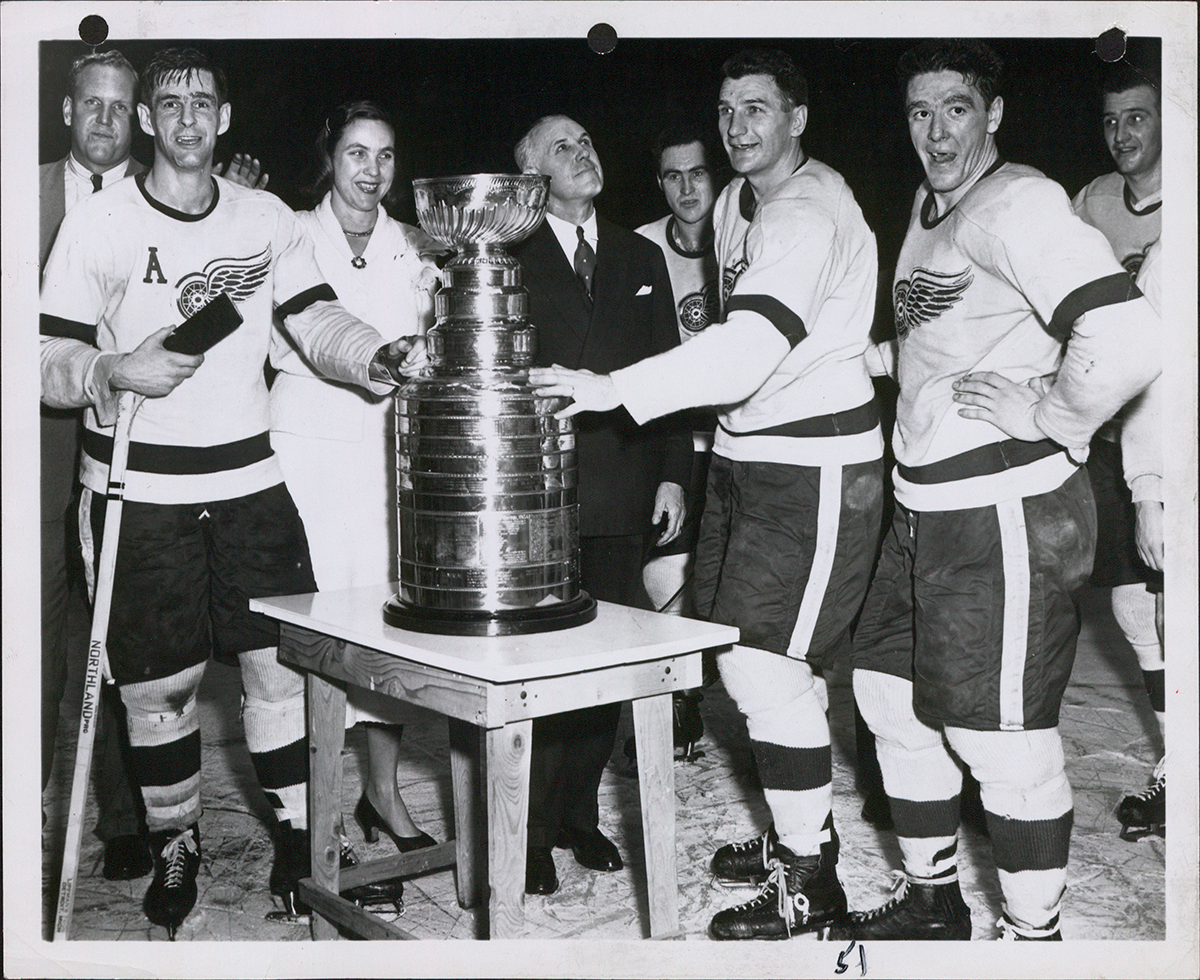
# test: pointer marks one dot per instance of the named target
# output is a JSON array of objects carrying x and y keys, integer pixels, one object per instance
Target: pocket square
[{"x": 645, "y": 290}]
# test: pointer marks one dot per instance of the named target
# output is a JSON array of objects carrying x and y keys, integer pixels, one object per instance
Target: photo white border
[{"x": 24, "y": 24}]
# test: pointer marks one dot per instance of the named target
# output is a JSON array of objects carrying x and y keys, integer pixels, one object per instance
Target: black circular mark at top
[
  {"x": 93, "y": 29},
  {"x": 1110, "y": 46},
  {"x": 602, "y": 38}
]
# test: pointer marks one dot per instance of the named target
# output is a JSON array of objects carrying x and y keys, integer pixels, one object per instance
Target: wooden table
[{"x": 490, "y": 689}]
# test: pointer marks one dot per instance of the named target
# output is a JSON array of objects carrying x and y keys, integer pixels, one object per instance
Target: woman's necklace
[{"x": 358, "y": 261}]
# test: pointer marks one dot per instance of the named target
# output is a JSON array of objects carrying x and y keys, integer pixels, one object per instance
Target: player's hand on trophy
[
  {"x": 589, "y": 392},
  {"x": 1007, "y": 405},
  {"x": 400, "y": 360},
  {"x": 244, "y": 170},
  {"x": 152, "y": 370}
]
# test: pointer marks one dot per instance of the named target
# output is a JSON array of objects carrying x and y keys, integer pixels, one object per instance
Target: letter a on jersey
[{"x": 153, "y": 268}]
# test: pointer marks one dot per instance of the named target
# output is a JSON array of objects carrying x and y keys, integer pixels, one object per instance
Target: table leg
[
  {"x": 469, "y": 823},
  {"x": 508, "y": 813},
  {"x": 656, "y": 781},
  {"x": 326, "y": 736}
]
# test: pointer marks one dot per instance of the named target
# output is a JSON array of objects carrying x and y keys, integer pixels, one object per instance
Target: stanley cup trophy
[{"x": 486, "y": 475}]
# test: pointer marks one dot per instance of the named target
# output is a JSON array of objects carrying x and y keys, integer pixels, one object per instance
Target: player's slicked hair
[
  {"x": 978, "y": 64},
  {"x": 778, "y": 64},
  {"x": 336, "y": 124},
  {"x": 179, "y": 64},
  {"x": 1121, "y": 76},
  {"x": 678, "y": 134},
  {"x": 110, "y": 59}
]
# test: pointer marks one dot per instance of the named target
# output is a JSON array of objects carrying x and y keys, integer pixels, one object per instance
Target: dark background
[{"x": 460, "y": 106}]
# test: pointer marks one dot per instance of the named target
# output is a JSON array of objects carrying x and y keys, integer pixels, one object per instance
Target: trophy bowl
[{"x": 481, "y": 209}]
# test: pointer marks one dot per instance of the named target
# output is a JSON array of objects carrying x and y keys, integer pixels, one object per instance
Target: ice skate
[
  {"x": 375, "y": 894},
  {"x": 801, "y": 894},
  {"x": 1145, "y": 813},
  {"x": 1010, "y": 931},
  {"x": 746, "y": 862},
  {"x": 919, "y": 911},
  {"x": 293, "y": 861},
  {"x": 172, "y": 893}
]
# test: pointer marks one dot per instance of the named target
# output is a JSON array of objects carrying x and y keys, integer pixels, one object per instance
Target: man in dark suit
[
  {"x": 98, "y": 109},
  {"x": 600, "y": 298}
]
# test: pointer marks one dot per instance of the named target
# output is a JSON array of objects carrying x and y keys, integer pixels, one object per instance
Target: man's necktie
[
  {"x": 585, "y": 261},
  {"x": 97, "y": 182}
]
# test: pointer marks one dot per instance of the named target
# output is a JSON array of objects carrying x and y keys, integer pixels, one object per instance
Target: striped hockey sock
[
  {"x": 164, "y": 742},
  {"x": 789, "y": 734},
  {"x": 276, "y": 736},
  {"x": 1028, "y": 804},
  {"x": 922, "y": 779}
]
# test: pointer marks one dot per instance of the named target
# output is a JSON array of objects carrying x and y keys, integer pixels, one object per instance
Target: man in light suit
[
  {"x": 600, "y": 297},
  {"x": 98, "y": 109}
]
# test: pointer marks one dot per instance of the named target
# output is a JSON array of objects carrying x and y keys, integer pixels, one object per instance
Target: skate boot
[
  {"x": 1145, "y": 813},
  {"x": 293, "y": 861},
  {"x": 172, "y": 892},
  {"x": 801, "y": 894},
  {"x": 746, "y": 862},
  {"x": 1010, "y": 931},
  {"x": 375, "y": 894},
  {"x": 919, "y": 911}
]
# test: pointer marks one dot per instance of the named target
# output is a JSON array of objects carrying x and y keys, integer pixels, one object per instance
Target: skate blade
[
  {"x": 1136, "y": 833},
  {"x": 283, "y": 915},
  {"x": 737, "y": 884},
  {"x": 382, "y": 905}
]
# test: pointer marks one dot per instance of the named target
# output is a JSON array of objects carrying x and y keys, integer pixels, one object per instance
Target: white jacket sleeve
[
  {"x": 336, "y": 343},
  {"x": 723, "y": 365}
]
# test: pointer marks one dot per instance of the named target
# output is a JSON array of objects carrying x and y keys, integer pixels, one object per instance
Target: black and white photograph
[{"x": 459, "y": 523}]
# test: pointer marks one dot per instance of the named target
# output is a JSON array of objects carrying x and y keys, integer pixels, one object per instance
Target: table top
[{"x": 618, "y": 635}]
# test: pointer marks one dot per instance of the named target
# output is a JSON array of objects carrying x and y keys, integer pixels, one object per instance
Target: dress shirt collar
[
  {"x": 80, "y": 172},
  {"x": 568, "y": 238},
  {"x": 77, "y": 180}
]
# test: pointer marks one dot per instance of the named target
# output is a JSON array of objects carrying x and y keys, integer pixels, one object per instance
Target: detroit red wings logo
[
  {"x": 730, "y": 275},
  {"x": 240, "y": 278},
  {"x": 697, "y": 310},
  {"x": 926, "y": 296}
]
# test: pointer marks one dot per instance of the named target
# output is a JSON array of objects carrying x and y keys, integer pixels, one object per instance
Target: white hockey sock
[{"x": 790, "y": 737}]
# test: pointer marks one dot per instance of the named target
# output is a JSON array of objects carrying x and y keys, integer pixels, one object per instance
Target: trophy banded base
[{"x": 484, "y": 622}]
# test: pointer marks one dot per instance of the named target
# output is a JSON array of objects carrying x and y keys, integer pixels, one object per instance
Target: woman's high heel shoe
[{"x": 371, "y": 822}]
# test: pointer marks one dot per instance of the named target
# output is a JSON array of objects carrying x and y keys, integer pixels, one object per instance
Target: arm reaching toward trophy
[
  {"x": 402, "y": 359},
  {"x": 589, "y": 392}
]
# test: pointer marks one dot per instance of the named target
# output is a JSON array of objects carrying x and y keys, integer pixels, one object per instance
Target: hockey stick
[{"x": 97, "y": 662}]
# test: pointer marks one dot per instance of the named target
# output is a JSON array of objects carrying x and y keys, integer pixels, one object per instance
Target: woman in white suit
[{"x": 336, "y": 443}]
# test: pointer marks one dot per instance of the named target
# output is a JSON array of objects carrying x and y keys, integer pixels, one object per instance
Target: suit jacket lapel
[
  {"x": 556, "y": 278},
  {"x": 610, "y": 268}
]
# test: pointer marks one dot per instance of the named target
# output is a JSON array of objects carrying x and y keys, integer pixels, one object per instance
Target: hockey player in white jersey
[
  {"x": 968, "y": 633},
  {"x": 1127, "y": 206},
  {"x": 207, "y": 520},
  {"x": 795, "y": 488}
]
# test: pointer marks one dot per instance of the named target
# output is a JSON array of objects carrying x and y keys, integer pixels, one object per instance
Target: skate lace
[
  {"x": 1160, "y": 780},
  {"x": 788, "y": 905},
  {"x": 175, "y": 856},
  {"x": 1009, "y": 932},
  {"x": 348, "y": 857},
  {"x": 899, "y": 890},
  {"x": 740, "y": 847}
]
